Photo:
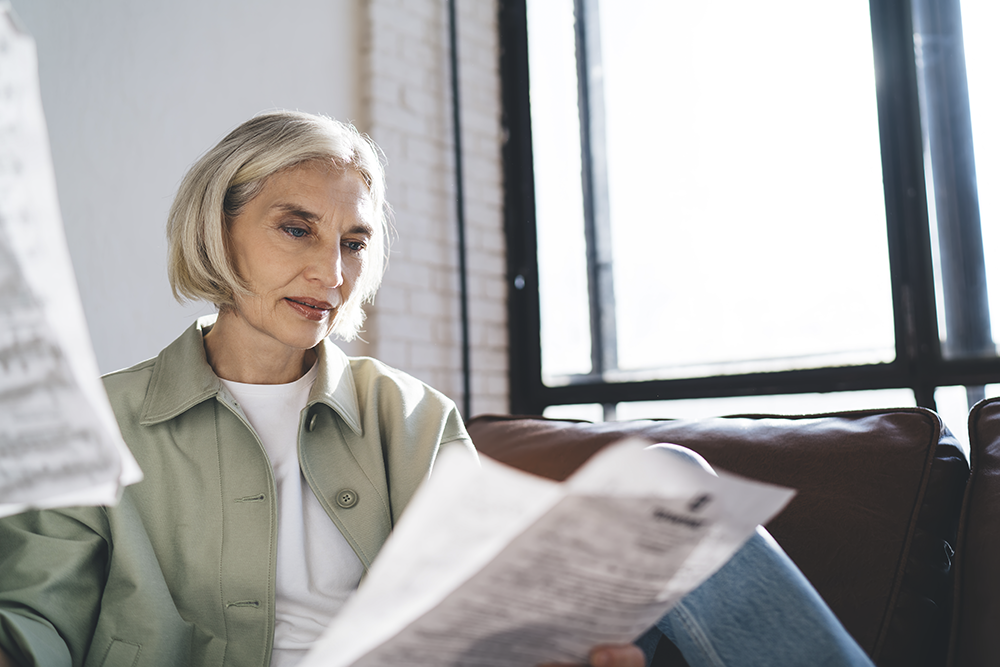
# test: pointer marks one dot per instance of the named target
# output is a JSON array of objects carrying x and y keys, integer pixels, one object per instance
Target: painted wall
[
  {"x": 415, "y": 323},
  {"x": 133, "y": 93}
]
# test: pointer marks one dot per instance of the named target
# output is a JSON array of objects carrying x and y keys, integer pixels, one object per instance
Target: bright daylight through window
[
  {"x": 731, "y": 200},
  {"x": 747, "y": 224},
  {"x": 982, "y": 56}
]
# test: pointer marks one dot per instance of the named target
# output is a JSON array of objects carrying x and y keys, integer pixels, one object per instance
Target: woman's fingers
[
  {"x": 617, "y": 655},
  {"x": 612, "y": 655}
]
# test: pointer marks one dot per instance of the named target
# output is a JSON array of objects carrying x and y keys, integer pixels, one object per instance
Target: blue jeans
[{"x": 758, "y": 609}]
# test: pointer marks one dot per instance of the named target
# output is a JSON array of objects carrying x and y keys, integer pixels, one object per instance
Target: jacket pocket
[{"x": 121, "y": 654}]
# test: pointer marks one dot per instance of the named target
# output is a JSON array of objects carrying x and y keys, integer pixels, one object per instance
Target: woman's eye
[
  {"x": 355, "y": 246},
  {"x": 297, "y": 232}
]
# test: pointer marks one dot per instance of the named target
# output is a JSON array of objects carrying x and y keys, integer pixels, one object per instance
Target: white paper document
[
  {"x": 494, "y": 567},
  {"x": 59, "y": 442}
]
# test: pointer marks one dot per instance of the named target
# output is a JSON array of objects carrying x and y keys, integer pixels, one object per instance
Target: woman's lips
[{"x": 311, "y": 309}]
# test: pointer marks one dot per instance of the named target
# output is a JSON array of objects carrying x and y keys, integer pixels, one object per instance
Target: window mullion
[
  {"x": 596, "y": 210},
  {"x": 917, "y": 343},
  {"x": 947, "y": 129}
]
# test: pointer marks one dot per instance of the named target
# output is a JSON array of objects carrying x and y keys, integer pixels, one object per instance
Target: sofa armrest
[{"x": 975, "y": 641}]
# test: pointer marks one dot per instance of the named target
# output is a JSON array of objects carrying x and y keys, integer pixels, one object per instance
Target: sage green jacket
[{"x": 181, "y": 572}]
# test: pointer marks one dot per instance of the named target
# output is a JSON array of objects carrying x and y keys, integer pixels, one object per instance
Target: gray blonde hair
[{"x": 232, "y": 173}]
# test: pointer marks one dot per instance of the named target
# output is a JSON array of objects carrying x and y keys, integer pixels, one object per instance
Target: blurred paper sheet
[
  {"x": 496, "y": 568},
  {"x": 59, "y": 442}
]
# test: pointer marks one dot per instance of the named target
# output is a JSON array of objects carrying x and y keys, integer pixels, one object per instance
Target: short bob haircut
[{"x": 227, "y": 177}]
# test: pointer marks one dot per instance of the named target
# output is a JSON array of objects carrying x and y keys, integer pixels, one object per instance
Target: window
[{"x": 729, "y": 199}]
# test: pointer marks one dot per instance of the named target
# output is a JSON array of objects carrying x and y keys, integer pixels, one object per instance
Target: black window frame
[{"x": 919, "y": 364}]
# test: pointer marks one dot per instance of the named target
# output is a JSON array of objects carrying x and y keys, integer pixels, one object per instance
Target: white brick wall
[{"x": 415, "y": 322}]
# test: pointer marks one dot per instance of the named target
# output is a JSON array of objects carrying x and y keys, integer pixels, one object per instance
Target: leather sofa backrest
[
  {"x": 871, "y": 527},
  {"x": 975, "y": 637}
]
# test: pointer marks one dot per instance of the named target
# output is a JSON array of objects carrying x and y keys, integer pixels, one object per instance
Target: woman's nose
[{"x": 327, "y": 267}]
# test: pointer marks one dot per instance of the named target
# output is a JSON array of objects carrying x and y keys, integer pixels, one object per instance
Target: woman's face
[{"x": 301, "y": 244}]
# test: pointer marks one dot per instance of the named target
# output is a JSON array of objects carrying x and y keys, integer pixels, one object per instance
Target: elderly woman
[{"x": 275, "y": 466}]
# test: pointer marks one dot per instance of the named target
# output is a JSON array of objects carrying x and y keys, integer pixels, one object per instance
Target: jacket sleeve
[
  {"x": 454, "y": 435},
  {"x": 53, "y": 567}
]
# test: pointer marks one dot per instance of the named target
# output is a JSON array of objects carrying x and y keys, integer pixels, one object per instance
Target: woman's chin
[{"x": 306, "y": 339}]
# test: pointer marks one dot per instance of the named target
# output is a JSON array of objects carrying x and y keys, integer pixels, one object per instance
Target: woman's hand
[{"x": 615, "y": 655}]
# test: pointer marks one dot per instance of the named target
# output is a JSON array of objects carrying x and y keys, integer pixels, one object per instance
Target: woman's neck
[{"x": 236, "y": 354}]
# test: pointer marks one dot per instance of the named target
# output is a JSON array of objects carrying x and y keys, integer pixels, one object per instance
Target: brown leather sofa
[
  {"x": 975, "y": 633},
  {"x": 873, "y": 526}
]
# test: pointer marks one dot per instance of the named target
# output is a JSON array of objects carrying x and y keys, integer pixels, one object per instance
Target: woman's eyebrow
[
  {"x": 296, "y": 210},
  {"x": 309, "y": 216},
  {"x": 362, "y": 228}
]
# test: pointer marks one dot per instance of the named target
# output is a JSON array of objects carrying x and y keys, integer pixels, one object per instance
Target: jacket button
[
  {"x": 347, "y": 498},
  {"x": 312, "y": 422}
]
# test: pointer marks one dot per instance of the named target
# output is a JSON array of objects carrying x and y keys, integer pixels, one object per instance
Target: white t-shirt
[{"x": 317, "y": 568}]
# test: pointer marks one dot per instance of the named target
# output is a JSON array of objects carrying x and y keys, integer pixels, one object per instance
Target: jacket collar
[{"x": 182, "y": 379}]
